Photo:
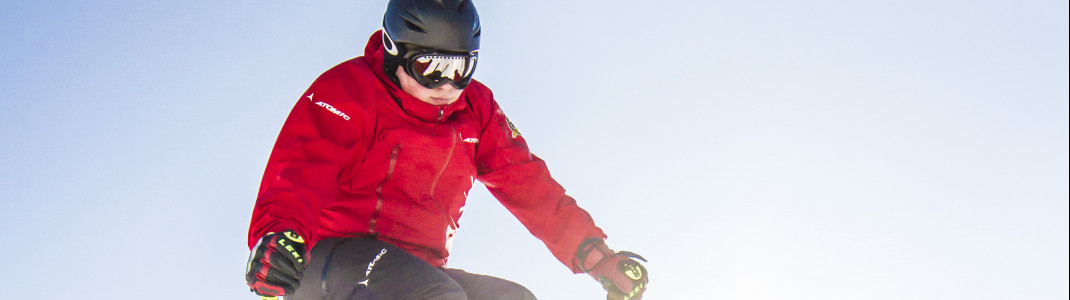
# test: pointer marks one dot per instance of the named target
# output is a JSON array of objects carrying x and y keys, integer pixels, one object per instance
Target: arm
[
  {"x": 317, "y": 141},
  {"x": 522, "y": 183},
  {"x": 319, "y": 138}
]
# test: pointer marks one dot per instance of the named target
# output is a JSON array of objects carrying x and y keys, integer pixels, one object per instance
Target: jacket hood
[{"x": 373, "y": 55}]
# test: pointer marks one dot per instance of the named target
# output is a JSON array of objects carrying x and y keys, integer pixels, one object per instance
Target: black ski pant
[{"x": 366, "y": 269}]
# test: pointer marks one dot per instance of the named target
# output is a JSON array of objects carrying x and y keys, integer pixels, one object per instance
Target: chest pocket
[{"x": 430, "y": 163}]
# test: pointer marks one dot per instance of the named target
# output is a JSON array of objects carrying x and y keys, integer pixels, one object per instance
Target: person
[{"x": 363, "y": 190}]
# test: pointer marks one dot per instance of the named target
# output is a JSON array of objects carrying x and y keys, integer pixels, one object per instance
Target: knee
[
  {"x": 446, "y": 289},
  {"x": 521, "y": 292},
  {"x": 512, "y": 290}
]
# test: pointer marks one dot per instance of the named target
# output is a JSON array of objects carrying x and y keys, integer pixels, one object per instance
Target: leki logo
[
  {"x": 633, "y": 271},
  {"x": 330, "y": 108},
  {"x": 290, "y": 248},
  {"x": 294, "y": 237}
]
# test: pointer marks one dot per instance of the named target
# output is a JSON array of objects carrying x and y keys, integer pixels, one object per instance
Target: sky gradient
[{"x": 750, "y": 150}]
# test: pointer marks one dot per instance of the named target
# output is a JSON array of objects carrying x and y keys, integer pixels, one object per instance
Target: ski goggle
[{"x": 433, "y": 68}]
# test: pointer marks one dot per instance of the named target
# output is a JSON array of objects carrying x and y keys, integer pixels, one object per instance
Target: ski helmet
[{"x": 434, "y": 41}]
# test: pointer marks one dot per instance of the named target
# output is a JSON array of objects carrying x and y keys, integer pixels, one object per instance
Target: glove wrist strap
[{"x": 587, "y": 249}]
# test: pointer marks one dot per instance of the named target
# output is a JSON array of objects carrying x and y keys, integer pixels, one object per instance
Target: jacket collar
[{"x": 373, "y": 55}]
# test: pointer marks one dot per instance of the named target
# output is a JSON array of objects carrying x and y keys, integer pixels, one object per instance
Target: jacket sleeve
[
  {"x": 319, "y": 138},
  {"x": 522, "y": 183}
]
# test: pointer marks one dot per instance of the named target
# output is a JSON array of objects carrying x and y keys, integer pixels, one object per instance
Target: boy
[{"x": 370, "y": 172}]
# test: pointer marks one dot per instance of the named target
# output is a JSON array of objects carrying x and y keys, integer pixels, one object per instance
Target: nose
[{"x": 446, "y": 88}]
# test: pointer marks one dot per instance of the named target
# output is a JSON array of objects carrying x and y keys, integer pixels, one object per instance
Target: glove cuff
[{"x": 591, "y": 253}]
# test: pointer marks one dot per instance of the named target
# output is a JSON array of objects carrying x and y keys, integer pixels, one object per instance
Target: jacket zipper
[
  {"x": 449, "y": 156},
  {"x": 379, "y": 191}
]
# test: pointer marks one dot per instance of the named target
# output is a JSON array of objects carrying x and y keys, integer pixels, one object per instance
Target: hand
[
  {"x": 622, "y": 277},
  {"x": 276, "y": 264}
]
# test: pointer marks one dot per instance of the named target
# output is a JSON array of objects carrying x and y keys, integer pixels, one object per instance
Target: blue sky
[{"x": 750, "y": 150}]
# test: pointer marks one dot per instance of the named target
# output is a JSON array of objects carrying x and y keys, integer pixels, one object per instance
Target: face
[{"x": 442, "y": 95}]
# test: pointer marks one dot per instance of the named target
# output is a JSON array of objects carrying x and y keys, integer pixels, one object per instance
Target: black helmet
[{"x": 446, "y": 29}]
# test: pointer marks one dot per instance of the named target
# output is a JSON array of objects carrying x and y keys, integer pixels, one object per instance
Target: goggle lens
[{"x": 435, "y": 69}]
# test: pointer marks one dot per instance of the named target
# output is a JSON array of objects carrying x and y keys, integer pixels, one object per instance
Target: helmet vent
[
  {"x": 414, "y": 27},
  {"x": 478, "y": 31},
  {"x": 460, "y": 5}
]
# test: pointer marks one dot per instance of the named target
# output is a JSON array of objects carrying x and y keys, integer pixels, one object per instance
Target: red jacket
[{"x": 358, "y": 157}]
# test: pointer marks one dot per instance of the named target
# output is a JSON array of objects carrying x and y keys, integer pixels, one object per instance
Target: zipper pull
[{"x": 441, "y": 111}]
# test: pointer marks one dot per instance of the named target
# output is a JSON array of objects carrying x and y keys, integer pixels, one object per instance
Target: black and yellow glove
[
  {"x": 622, "y": 277},
  {"x": 276, "y": 264}
]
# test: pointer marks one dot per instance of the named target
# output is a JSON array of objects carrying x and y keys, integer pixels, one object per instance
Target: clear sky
[{"x": 749, "y": 149}]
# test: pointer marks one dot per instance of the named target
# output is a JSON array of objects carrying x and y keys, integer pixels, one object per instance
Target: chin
[{"x": 440, "y": 101}]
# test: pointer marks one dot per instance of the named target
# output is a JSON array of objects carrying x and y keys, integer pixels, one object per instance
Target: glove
[
  {"x": 276, "y": 264},
  {"x": 622, "y": 277}
]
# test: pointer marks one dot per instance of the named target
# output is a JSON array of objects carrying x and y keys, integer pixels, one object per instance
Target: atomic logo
[
  {"x": 330, "y": 108},
  {"x": 370, "y": 266}
]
